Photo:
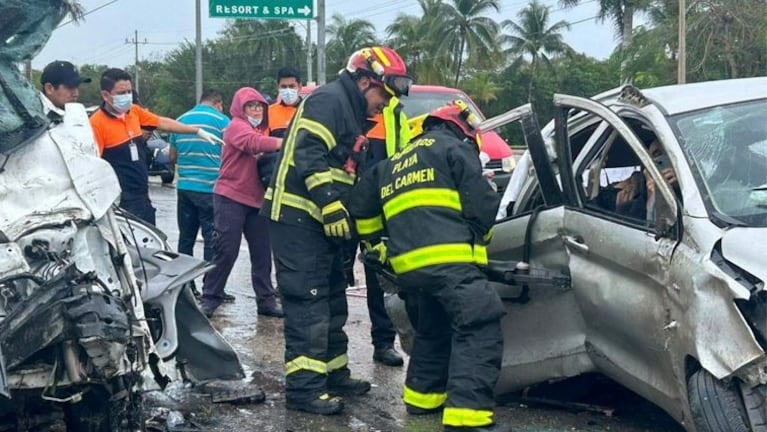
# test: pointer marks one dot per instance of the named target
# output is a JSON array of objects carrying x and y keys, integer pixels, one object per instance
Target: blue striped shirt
[{"x": 198, "y": 161}]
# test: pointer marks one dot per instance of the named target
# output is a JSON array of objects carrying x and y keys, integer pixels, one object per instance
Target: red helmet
[
  {"x": 459, "y": 114},
  {"x": 384, "y": 66}
]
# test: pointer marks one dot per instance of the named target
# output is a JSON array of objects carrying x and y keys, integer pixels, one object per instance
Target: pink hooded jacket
[{"x": 238, "y": 177}]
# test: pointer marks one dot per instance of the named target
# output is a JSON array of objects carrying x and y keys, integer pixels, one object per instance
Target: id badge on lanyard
[{"x": 133, "y": 151}]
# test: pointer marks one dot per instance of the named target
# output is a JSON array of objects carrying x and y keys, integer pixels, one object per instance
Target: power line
[{"x": 88, "y": 12}]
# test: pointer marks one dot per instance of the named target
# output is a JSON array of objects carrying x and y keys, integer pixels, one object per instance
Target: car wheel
[
  {"x": 755, "y": 400},
  {"x": 167, "y": 177},
  {"x": 716, "y": 406}
]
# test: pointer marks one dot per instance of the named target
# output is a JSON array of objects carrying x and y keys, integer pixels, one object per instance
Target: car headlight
[{"x": 508, "y": 164}]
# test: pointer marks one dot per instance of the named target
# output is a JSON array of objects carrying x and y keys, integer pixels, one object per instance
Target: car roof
[{"x": 681, "y": 98}]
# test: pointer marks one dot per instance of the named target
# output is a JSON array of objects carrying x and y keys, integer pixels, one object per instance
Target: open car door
[{"x": 529, "y": 268}]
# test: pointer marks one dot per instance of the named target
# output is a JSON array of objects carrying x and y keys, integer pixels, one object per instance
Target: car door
[
  {"x": 617, "y": 264},
  {"x": 537, "y": 347}
]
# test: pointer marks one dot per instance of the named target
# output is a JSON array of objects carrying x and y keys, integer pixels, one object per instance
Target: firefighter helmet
[
  {"x": 459, "y": 114},
  {"x": 384, "y": 66}
]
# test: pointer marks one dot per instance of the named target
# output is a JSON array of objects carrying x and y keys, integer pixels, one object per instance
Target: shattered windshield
[{"x": 727, "y": 147}]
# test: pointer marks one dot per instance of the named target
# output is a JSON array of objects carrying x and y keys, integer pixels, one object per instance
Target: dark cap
[{"x": 62, "y": 72}]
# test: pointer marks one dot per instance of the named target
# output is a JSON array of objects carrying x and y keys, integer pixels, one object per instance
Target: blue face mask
[
  {"x": 121, "y": 103},
  {"x": 254, "y": 121},
  {"x": 289, "y": 95}
]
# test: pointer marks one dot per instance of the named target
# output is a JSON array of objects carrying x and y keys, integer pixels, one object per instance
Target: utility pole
[
  {"x": 321, "y": 75},
  {"x": 198, "y": 54},
  {"x": 135, "y": 43},
  {"x": 681, "y": 70},
  {"x": 308, "y": 50}
]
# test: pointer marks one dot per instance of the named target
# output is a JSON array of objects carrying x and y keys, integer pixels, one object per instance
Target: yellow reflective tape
[
  {"x": 339, "y": 362},
  {"x": 318, "y": 129},
  {"x": 487, "y": 237},
  {"x": 480, "y": 254},
  {"x": 466, "y": 417},
  {"x": 302, "y": 203},
  {"x": 432, "y": 197},
  {"x": 379, "y": 52},
  {"x": 318, "y": 179},
  {"x": 283, "y": 168},
  {"x": 370, "y": 225},
  {"x": 423, "y": 400},
  {"x": 342, "y": 176},
  {"x": 447, "y": 253},
  {"x": 306, "y": 364}
]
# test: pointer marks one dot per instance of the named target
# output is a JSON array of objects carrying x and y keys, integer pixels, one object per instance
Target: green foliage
[{"x": 725, "y": 39}]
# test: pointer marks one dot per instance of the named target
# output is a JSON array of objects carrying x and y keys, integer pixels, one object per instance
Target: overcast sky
[{"x": 163, "y": 24}]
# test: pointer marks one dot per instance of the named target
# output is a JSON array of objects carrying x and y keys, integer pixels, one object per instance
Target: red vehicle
[{"x": 424, "y": 98}]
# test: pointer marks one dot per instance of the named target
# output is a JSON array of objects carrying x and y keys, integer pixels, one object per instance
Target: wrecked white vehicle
[
  {"x": 662, "y": 289},
  {"x": 75, "y": 341}
]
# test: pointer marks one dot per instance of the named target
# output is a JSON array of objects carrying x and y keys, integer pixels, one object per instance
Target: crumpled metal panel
[{"x": 12, "y": 262}]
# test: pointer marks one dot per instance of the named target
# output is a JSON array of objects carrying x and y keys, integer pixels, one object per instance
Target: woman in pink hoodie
[{"x": 237, "y": 199}]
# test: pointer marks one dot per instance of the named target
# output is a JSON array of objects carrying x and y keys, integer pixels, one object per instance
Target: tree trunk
[
  {"x": 533, "y": 64},
  {"x": 628, "y": 26},
  {"x": 460, "y": 62}
]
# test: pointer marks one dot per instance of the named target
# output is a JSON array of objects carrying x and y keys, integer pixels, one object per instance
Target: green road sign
[{"x": 274, "y": 9}]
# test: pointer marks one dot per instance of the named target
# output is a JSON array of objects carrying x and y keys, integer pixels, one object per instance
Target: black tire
[
  {"x": 167, "y": 177},
  {"x": 755, "y": 401},
  {"x": 716, "y": 406}
]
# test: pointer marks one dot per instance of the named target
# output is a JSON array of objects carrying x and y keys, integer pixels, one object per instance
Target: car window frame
[{"x": 565, "y": 106}]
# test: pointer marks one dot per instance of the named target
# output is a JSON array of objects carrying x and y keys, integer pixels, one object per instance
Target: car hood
[{"x": 744, "y": 247}]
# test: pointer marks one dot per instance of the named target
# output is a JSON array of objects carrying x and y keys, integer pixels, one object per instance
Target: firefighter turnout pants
[
  {"x": 313, "y": 288},
  {"x": 458, "y": 347}
]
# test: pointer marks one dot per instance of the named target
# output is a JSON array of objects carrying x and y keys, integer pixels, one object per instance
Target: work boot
[
  {"x": 388, "y": 356},
  {"x": 414, "y": 410},
  {"x": 323, "y": 405},
  {"x": 489, "y": 428},
  {"x": 341, "y": 383},
  {"x": 271, "y": 311}
]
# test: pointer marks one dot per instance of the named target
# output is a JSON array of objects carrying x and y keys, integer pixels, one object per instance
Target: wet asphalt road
[{"x": 259, "y": 343}]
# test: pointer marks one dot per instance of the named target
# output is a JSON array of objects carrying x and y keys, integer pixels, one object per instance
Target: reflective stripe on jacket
[
  {"x": 310, "y": 171},
  {"x": 432, "y": 202}
]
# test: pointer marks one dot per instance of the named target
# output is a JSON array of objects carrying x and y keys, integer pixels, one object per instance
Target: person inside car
[{"x": 635, "y": 197}]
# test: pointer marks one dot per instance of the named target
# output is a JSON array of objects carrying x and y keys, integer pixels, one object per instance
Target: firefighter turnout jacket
[
  {"x": 310, "y": 172},
  {"x": 390, "y": 134},
  {"x": 431, "y": 200}
]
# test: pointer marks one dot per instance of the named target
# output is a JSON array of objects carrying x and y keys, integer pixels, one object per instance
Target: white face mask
[
  {"x": 254, "y": 121},
  {"x": 121, "y": 103},
  {"x": 289, "y": 95}
]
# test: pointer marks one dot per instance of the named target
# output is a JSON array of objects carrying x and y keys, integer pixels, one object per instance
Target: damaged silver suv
[{"x": 633, "y": 246}]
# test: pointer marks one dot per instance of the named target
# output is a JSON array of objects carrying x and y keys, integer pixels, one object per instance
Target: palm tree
[
  {"x": 462, "y": 28},
  {"x": 621, "y": 12},
  {"x": 413, "y": 38},
  {"x": 346, "y": 37},
  {"x": 534, "y": 37}
]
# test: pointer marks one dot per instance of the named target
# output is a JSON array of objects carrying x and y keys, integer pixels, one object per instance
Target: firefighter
[
  {"x": 390, "y": 134},
  {"x": 310, "y": 224},
  {"x": 428, "y": 213}
]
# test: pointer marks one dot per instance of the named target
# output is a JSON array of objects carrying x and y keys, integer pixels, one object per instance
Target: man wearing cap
[{"x": 60, "y": 81}]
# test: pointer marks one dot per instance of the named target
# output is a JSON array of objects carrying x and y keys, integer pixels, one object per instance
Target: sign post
[{"x": 262, "y": 9}]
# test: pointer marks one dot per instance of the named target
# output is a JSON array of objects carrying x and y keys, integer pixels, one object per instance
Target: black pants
[
  {"x": 313, "y": 287},
  {"x": 194, "y": 212},
  {"x": 458, "y": 345},
  {"x": 382, "y": 330}
]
